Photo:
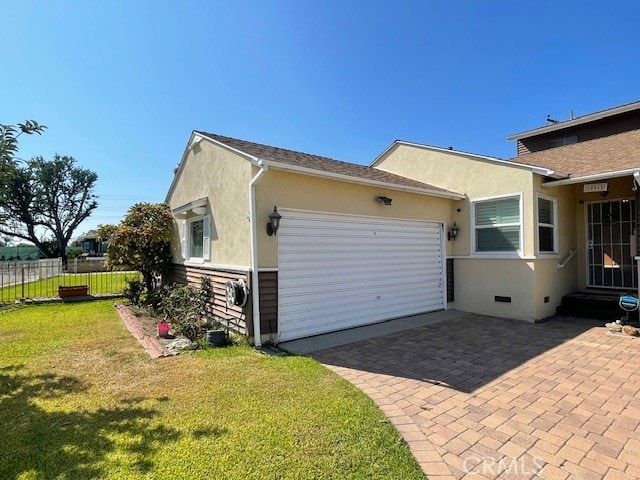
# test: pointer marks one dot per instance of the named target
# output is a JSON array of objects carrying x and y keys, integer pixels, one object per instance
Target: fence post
[{"x": 22, "y": 297}]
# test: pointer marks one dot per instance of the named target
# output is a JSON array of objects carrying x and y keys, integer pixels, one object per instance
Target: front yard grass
[{"x": 80, "y": 399}]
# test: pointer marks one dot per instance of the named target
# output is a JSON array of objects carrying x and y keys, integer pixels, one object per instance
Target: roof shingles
[
  {"x": 599, "y": 156},
  {"x": 324, "y": 165}
]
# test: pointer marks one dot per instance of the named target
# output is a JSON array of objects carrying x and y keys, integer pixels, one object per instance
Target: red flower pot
[{"x": 163, "y": 329}]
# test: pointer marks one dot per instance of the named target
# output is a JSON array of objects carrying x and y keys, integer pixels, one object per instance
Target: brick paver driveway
[{"x": 482, "y": 397}]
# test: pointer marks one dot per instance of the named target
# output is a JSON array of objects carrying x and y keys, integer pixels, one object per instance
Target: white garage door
[{"x": 342, "y": 271}]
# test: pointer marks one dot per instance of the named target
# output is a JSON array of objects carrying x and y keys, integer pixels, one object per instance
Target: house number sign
[{"x": 595, "y": 187}]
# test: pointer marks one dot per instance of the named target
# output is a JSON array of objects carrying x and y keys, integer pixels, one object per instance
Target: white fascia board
[
  {"x": 576, "y": 121},
  {"x": 379, "y": 157},
  {"x": 506, "y": 163},
  {"x": 255, "y": 160},
  {"x": 195, "y": 138},
  {"x": 176, "y": 175},
  {"x": 430, "y": 147},
  {"x": 362, "y": 181},
  {"x": 592, "y": 178},
  {"x": 201, "y": 202}
]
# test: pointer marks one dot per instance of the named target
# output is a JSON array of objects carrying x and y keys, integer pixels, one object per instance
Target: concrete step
[{"x": 593, "y": 305}]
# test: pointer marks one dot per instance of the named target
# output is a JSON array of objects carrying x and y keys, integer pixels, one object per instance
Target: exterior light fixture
[
  {"x": 274, "y": 222},
  {"x": 385, "y": 200},
  {"x": 453, "y": 233}
]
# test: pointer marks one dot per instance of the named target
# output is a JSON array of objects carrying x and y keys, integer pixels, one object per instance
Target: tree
[
  {"x": 142, "y": 241},
  {"x": 46, "y": 198},
  {"x": 9, "y": 138}
]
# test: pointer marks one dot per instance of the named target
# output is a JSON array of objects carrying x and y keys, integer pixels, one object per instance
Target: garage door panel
[
  {"x": 366, "y": 292},
  {"x": 338, "y": 272},
  {"x": 353, "y": 318},
  {"x": 362, "y": 268},
  {"x": 298, "y": 261},
  {"x": 355, "y": 314},
  {"x": 321, "y": 237},
  {"x": 341, "y": 249},
  {"x": 320, "y": 296},
  {"x": 369, "y": 287},
  {"x": 340, "y": 278}
]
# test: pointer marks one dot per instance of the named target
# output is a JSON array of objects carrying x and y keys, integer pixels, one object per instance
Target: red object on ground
[
  {"x": 163, "y": 329},
  {"x": 153, "y": 346}
]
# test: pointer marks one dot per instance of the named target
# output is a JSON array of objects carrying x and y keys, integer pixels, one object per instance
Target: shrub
[
  {"x": 133, "y": 290},
  {"x": 184, "y": 306},
  {"x": 142, "y": 241}
]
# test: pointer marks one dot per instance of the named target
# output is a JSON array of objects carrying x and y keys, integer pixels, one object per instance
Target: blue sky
[{"x": 121, "y": 84}]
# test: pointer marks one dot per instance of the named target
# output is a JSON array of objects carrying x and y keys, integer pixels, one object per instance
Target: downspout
[
  {"x": 255, "y": 291},
  {"x": 636, "y": 190}
]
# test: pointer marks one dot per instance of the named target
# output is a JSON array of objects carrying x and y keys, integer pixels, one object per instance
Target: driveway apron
[{"x": 482, "y": 397}]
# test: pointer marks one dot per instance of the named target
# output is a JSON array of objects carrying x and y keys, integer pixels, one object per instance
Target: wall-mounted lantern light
[
  {"x": 453, "y": 233},
  {"x": 274, "y": 222},
  {"x": 385, "y": 200}
]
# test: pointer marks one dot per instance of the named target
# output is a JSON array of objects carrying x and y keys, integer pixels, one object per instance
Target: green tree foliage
[
  {"x": 142, "y": 241},
  {"x": 9, "y": 138},
  {"x": 46, "y": 199},
  {"x": 105, "y": 231}
]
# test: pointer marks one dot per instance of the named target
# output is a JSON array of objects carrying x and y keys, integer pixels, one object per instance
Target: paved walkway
[{"x": 481, "y": 397}]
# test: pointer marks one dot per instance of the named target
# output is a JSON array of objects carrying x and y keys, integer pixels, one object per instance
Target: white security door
[{"x": 342, "y": 271}]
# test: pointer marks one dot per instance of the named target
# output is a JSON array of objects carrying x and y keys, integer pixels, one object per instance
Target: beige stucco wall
[
  {"x": 222, "y": 176},
  {"x": 479, "y": 281},
  {"x": 551, "y": 281},
  {"x": 303, "y": 192},
  {"x": 471, "y": 176}
]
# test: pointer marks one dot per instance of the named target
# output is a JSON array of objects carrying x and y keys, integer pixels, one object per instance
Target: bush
[
  {"x": 184, "y": 306},
  {"x": 133, "y": 290}
]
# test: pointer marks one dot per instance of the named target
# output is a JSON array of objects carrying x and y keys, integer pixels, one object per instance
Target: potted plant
[
  {"x": 73, "y": 291},
  {"x": 163, "y": 328}
]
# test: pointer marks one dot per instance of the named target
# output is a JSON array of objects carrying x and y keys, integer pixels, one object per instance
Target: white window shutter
[
  {"x": 206, "y": 237},
  {"x": 183, "y": 240}
]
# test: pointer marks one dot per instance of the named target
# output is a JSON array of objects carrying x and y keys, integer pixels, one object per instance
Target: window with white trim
[
  {"x": 547, "y": 229},
  {"x": 196, "y": 238},
  {"x": 497, "y": 224}
]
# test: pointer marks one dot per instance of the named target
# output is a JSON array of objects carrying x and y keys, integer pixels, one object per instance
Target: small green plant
[
  {"x": 133, "y": 290},
  {"x": 153, "y": 300}
]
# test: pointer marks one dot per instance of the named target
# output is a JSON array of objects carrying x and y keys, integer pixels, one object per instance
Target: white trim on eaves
[
  {"x": 591, "y": 178},
  {"x": 546, "y": 172}
]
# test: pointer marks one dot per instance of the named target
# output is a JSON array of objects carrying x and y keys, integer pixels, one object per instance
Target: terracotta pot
[{"x": 73, "y": 291}]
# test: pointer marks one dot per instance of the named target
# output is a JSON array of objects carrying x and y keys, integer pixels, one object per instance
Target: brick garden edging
[{"x": 152, "y": 345}]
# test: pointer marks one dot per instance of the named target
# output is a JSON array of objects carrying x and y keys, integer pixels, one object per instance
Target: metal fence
[{"x": 41, "y": 279}]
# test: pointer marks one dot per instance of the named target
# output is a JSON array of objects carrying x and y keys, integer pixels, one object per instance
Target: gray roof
[{"x": 324, "y": 165}]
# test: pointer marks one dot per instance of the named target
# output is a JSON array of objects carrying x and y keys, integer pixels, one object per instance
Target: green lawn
[
  {"x": 80, "y": 399},
  {"x": 99, "y": 283}
]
